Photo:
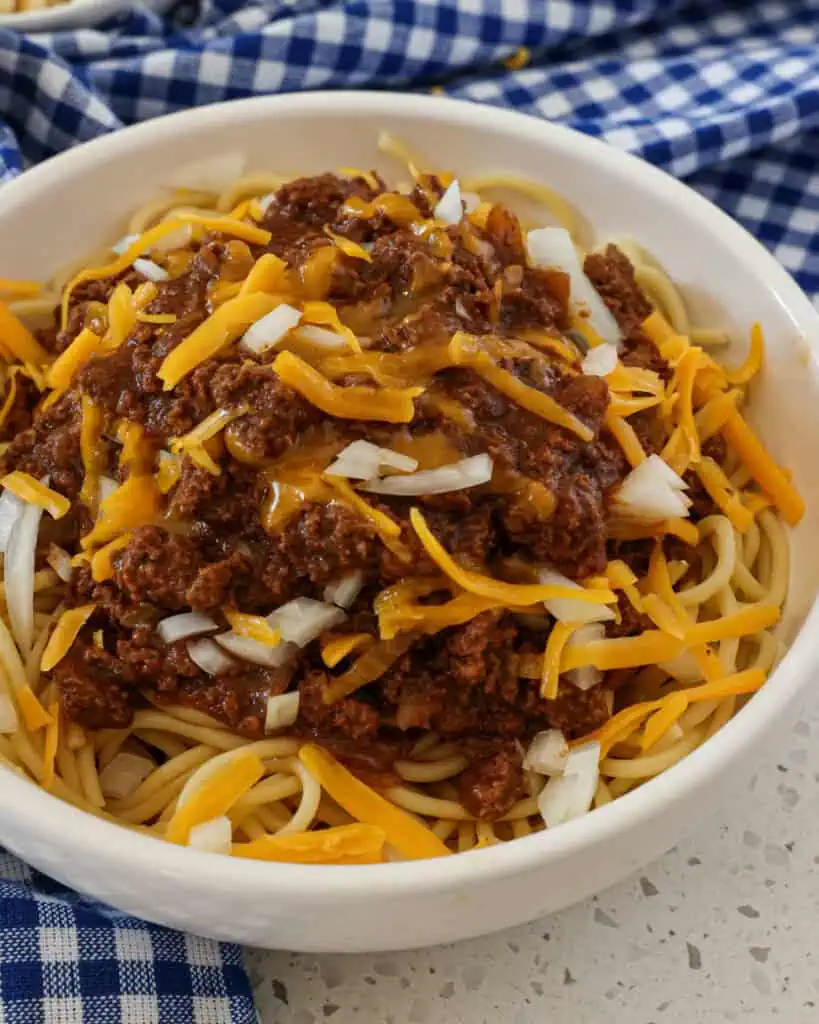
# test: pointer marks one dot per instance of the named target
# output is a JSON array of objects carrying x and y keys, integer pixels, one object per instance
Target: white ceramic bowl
[
  {"x": 73, "y": 14},
  {"x": 52, "y": 213}
]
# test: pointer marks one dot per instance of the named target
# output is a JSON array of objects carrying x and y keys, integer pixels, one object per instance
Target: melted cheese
[
  {"x": 348, "y": 246},
  {"x": 102, "y": 565},
  {"x": 65, "y": 633},
  {"x": 413, "y": 839},
  {"x": 134, "y": 503},
  {"x": 27, "y": 488},
  {"x": 91, "y": 427},
  {"x": 337, "y": 648},
  {"x": 368, "y": 667},
  {"x": 389, "y": 405},
  {"x": 387, "y": 529},
  {"x": 268, "y": 274}
]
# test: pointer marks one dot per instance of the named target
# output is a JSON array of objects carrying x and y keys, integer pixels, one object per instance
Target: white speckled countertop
[{"x": 722, "y": 929}]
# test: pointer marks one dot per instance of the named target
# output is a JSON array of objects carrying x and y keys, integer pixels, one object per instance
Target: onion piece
[
  {"x": 566, "y": 610},
  {"x": 11, "y": 507},
  {"x": 19, "y": 575},
  {"x": 570, "y": 795},
  {"x": 471, "y": 201},
  {"x": 8, "y": 715},
  {"x": 248, "y": 649},
  {"x": 343, "y": 592},
  {"x": 124, "y": 774},
  {"x": 282, "y": 711},
  {"x": 457, "y": 476},
  {"x": 151, "y": 270},
  {"x": 270, "y": 330},
  {"x": 322, "y": 337},
  {"x": 302, "y": 620},
  {"x": 180, "y": 627},
  {"x": 124, "y": 243},
  {"x": 361, "y": 460},
  {"x": 214, "y": 836},
  {"x": 587, "y": 676},
  {"x": 60, "y": 562},
  {"x": 106, "y": 488},
  {"x": 210, "y": 174},
  {"x": 450, "y": 209},
  {"x": 265, "y": 202},
  {"x": 600, "y": 361},
  {"x": 653, "y": 491},
  {"x": 553, "y": 247},
  {"x": 547, "y": 754},
  {"x": 209, "y": 656}
]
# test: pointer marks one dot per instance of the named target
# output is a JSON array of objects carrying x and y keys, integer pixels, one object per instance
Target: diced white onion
[
  {"x": 548, "y": 753},
  {"x": 210, "y": 174},
  {"x": 19, "y": 575},
  {"x": 450, "y": 209},
  {"x": 683, "y": 668},
  {"x": 124, "y": 243},
  {"x": 471, "y": 201},
  {"x": 343, "y": 592},
  {"x": 209, "y": 656},
  {"x": 553, "y": 247},
  {"x": 60, "y": 562},
  {"x": 361, "y": 460},
  {"x": 180, "y": 627},
  {"x": 106, "y": 488},
  {"x": 11, "y": 508},
  {"x": 282, "y": 711},
  {"x": 600, "y": 361},
  {"x": 300, "y": 621},
  {"x": 458, "y": 476},
  {"x": 321, "y": 336},
  {"x": 214, "y": 836},
  {"x": 265, "y": 202},
  {"x": 248, "y": 649},
  {"x": 570, "y": 795},
  {"x": 587, "y": 676},
  {"x": 151, "y": 270},
  {"x": 8, "y": 715},
  {"x": 565, "y": 609},
  {"x": 653, "y": 491},
  {"x": 123, "y": 774},
  {"x": 270, "y": 330}
]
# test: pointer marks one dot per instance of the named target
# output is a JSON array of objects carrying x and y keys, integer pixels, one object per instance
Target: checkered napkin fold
[{"x": 724, "y": 93}]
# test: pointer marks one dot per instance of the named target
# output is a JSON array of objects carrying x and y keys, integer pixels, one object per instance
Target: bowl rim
[{"x": 34, "y": 811}]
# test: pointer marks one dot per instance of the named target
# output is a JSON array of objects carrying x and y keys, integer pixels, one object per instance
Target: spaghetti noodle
[{"x": 394, "y": 573}]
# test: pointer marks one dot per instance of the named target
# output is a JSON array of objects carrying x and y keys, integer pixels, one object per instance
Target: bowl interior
[{"x": 53, "y": 214}]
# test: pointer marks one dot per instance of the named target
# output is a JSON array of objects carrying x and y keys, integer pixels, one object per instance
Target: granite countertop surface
[{"x": 724, "y": 928}]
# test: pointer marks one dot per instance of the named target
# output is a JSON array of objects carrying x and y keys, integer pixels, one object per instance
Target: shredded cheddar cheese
[
  {"x": 34, "y": 715},
  {"x": 212, "y": 800},
  {"x": 368, "y": 667},
  {"x": 343, "y": 844},
  {"x": 413, "y": 839},
  {"x": 337, "y": 648},
  {"x": 256, "y": 627},
  {"x": 91, "y": 427},
  {"x": 19, "y": 340},
  {"x": 102, "y": 565},
  {"x": 463, "y": 352},
  {"x": 27, "y": 488},
  {"x": 137, "y": 454},
  {"x": 719, "y": 488},
  {"x": 268, "y": 274},
  {"x": 662, "y": 616},
  {"x": 223, "y": 326},
  {"x": 555, "y": 645},
  {"x": 508, "y": 594},
  {"x": 387, "y": 529},
  {"x": 389, "y": 405},
  {"x": 661, "y": 721},
  {"x": 65, "y": 633},
  {"x": 65, "y": 366},
  {"x": 134, "y": 503},
  {"x": 625, "y": 435},
  {"x": 348, "y": 246},
  {"x": 323, "y": 313},
  {"x": 20, "y": 289}
]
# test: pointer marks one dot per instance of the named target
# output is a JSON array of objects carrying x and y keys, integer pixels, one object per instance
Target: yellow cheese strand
[
  {"x": 65, "y": 633},
  {"x": 31, "y": 490}
]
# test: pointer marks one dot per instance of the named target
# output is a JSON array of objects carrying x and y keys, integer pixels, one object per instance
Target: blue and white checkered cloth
[
  {"x": 65, "y": 959},
  {"x": 724, "y": 93}
]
